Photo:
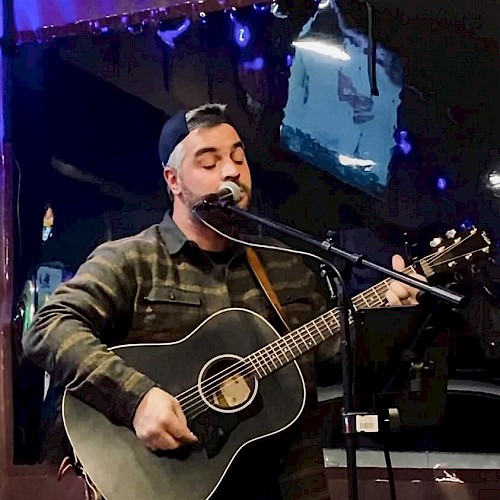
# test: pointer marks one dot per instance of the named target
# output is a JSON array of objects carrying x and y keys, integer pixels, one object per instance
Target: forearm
[
  {"x": 67, "y": 335},
  {"x": 77, "y": 360}
]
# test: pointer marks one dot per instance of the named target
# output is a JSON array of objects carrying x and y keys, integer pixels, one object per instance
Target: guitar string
[
  {"x": 313, "y": 335},
  {"x": 386, "y": 282},
  {"x": 271, "y": 348},
  {"x": 357, "y": 300}
]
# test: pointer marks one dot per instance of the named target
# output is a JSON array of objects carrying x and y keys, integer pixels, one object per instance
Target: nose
[{"x": 230, "y": 171}]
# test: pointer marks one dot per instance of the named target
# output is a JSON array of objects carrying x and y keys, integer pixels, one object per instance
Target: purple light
[
  {"x": 241, "y": 34},
  {"x": 135, "y": 29},
  {"x": 256, "y": 64},
  {"x": 441, "y": 183},
  {"x": 261, "y": 7},
  {"x": 169, "y": 36},
  {"x": 403, "y": 144},
  {"x": 289, "y": 60},
  {"x": 466, "y": 224}
]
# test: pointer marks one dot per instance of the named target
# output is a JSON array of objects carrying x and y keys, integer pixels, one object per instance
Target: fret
[
  {"x": 378, "y": 296},
  {"x": 385, "y": 284},
  {"x": 263, "y": 356},
  {"x": 273, "y": 353},
  {"x": 326, "y": 324},
  {"x": 292, "y": 337},
  {"x": 257, "y": 366},
  {"x": 312, "y": 342},
  {"x": 302, "y": 338},
  {"x": 319, "y": 330},
  {"x": 364, "y": 299},
  {"x": 282, "y": 346},
  {"x": 333, "y": 316}
]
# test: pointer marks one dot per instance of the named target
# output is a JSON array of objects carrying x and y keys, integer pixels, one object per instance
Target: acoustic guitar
[{"x": 237, "y": 382}]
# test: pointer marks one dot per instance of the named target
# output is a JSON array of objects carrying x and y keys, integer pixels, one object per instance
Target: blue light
[
  {"x": 441, "y": 183},
  {"x": 289, "y": 60},
  {"x": 466, "y": 224},
  {"x": 135, "y": 29},
  {"x": 256, "y": 64},
  {"x": 169, "y": 36},
  {"x": 403, "y": 144},
  {"x": 261, "y": 7},
  {"x": 241, "y": 32}
]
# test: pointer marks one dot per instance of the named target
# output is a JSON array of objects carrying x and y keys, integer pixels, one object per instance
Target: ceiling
[{"x": 450, "y": 55}]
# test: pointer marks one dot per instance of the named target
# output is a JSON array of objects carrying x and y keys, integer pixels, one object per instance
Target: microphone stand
[{"x": 351, "y": 420}]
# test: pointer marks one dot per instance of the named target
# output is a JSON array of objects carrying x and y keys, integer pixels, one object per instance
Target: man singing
[{"x": 159, "y": 285}]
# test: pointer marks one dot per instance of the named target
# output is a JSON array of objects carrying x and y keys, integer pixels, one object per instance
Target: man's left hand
[{"x": 399, "y": 293}]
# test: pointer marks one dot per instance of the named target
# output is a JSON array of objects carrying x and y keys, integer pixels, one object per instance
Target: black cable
[{"x": 372, "y": 50}]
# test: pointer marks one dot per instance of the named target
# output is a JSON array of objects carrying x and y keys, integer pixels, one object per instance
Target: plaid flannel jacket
[{"x": 155, "y": 286}]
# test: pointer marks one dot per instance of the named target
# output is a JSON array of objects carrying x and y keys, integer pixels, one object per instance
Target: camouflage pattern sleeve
[{"x": 69, "y": 333}]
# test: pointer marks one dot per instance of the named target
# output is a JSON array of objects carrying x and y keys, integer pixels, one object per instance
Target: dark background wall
[
  {"x": 97, "y": 104},
  {"x": 88, "y": 111}
]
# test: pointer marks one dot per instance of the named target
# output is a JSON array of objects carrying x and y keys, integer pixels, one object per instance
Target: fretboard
[{"x": 286, "y": 349}]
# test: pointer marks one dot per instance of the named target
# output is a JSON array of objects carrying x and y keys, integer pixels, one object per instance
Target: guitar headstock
[{"x": 456, "y": 250}]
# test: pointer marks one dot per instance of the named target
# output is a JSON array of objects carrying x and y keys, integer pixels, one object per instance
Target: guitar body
[
  {"x": 243, "y": 410},
  {"x": 236, "y": 382}
]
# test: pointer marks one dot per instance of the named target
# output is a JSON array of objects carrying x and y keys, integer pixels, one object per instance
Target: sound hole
[{"x": 227, "y": 387}]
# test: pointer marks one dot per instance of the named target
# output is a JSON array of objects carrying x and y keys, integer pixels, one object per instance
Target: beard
[{"x": 224, "y": 220}]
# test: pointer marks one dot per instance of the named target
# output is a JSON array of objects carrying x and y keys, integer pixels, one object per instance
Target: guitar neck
[{"x": 286, "y": 349}]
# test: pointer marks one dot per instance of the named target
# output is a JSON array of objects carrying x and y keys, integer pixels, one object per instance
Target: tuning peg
[
  {"x": 451, "y": 234},
  {"x": 435, "y": 242}
]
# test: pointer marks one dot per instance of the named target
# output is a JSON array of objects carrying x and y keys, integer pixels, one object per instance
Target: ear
[{"x": 171, "y": 177}]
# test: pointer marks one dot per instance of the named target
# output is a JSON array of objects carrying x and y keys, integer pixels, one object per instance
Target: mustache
[
  {"x": 245, "y": 189},
  {"x": 193, "y": 201}
]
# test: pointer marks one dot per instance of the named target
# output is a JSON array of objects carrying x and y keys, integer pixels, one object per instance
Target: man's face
[{"x": 211, "y": 156}]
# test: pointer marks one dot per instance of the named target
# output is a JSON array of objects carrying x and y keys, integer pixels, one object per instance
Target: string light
[
  {"x": 256, "y": 64},
  {"x": 261, "y": 7},
  {"x": 169, "y": 36},
  {"x": 441, "y": 183},
  {"x": 241, "y": 32},
  {"x": 403, "y": 143},
  {"x": 276, "y": 12}
]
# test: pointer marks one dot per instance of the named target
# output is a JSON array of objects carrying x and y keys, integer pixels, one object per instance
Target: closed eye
[{"x": 238, "y": 156}]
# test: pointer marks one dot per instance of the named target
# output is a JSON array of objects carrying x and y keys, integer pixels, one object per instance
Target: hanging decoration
[
  {"x": 168, "y": 36},
  {"x": 241, "y": 32},
  {"x": 134, "y": 22}
]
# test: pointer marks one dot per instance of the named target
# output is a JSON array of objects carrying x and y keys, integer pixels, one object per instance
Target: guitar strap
[{"x": 262, "y": 278}]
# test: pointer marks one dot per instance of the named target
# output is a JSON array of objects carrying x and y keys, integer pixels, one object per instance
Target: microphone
[{"x": 229, "y": 193}]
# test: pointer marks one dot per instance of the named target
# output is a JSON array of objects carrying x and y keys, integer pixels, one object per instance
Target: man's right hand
[{"x": 160, "y": 422}]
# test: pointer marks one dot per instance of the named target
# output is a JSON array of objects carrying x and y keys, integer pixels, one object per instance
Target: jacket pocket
[
  {"x": 172, "y": 295},
  {"x": 166, "y": 314}
]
